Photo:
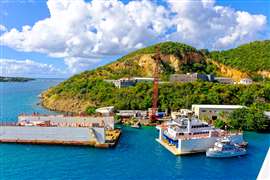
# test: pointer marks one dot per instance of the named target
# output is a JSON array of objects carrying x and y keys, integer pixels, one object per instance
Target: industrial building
[
  {"x": 127, "y": 82},
  {"x": 246, "y": 81},
  {"x": 224, "y": 80},
  {"x": 267, "y": 114},
  {"x": 212, "y": 112},
  {"x": 191, "y": 77},
  {"x": 143, "y": 79},
  {"x": 132, "y": 113},
  {"x": 181, "y": 113},
  {"x": 124, "y": 82}
]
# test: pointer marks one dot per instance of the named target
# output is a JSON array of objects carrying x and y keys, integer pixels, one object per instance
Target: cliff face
[
  {"x": 147, "y": 63},
  {"x": 227, "y": 71},
  {"x": 264, "y": 73},
  {"x": 237, "y": 74},
  {"x": 142, "y": 64}
]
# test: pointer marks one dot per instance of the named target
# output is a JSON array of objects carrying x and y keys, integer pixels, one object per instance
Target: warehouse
[{"x": 212, "y": 112}]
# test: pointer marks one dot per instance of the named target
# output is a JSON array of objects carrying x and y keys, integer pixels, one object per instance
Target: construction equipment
[{"x": 157, "y": 60}]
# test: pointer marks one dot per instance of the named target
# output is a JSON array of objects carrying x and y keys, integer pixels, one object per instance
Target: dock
[
  {"x": 174, "y": 150},
  {"x": 61, "y": 130}
]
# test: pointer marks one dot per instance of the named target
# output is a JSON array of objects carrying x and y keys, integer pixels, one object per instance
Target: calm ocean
[{"x": 137, "y": 156}]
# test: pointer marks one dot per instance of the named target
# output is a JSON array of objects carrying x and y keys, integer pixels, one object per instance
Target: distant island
[{"x": 15, "y": 79}]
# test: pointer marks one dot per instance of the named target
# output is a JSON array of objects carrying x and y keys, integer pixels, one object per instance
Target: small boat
[
  {"x": 137, "y": 125},
  {"x": 242, "y": 145},
  {"x": 225, "y": 149}
]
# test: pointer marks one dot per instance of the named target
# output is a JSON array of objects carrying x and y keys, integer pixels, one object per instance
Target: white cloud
[
  {"x": 3, "y": 28},
  {"x": 84, "y": 32},
  {"x": 76, "y": 64},
  {"x": 206, "y": 25},
  {"x": 11, "y": 67},
  {"x": 246, "y": 30},
  {"x": 80, "y": 29}
]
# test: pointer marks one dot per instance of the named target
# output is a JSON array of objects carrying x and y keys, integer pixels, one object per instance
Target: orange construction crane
[{"x": 157, "y": 60}]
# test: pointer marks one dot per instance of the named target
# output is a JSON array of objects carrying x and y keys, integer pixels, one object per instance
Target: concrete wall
[{"x": 79, "y": 134}]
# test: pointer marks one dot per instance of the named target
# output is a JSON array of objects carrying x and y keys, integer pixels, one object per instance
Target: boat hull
[
  {"x": 225, "y": 154},
  {"x": 203, "y": 144}
]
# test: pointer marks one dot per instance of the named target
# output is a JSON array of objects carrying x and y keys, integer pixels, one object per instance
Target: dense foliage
[
  {"x": 171, "y": 96},
  {"x": 251, "y": 119},
  {"x": 174, "y": 97},
  {"x": 250, "y": 57}
]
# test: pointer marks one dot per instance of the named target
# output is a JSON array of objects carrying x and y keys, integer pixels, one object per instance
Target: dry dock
[
  {"x": 83, "y": 136},
  {"x": 63, "y": 130}
]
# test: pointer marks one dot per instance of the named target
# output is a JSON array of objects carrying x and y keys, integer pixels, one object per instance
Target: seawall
[{"x": 52, "y": 135}]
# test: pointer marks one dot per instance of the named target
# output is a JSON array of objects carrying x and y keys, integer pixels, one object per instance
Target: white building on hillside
[
  {"x": 246, "y": 81},
  {"x": 211, "y": 112}
]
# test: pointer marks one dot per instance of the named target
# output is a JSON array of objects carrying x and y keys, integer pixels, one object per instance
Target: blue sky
[{"x": 166, "y": 21}]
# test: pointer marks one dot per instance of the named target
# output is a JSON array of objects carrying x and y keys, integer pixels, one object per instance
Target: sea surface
[{"x": 137, "y": 156}]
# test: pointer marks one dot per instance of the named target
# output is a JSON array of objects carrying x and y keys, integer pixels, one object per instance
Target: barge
[
  {"x": 187, "y": 135},
  {"x": 59, "y": 129}
]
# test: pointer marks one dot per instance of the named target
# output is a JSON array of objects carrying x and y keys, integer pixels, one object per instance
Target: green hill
[
  {"x": 251, "y": 58},
  {"x": 87, "y": 90},
  {"x": 176, "y": 58}
]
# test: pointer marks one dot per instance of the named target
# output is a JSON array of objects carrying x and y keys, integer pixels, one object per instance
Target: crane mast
[{"x": 157, "y": 60}]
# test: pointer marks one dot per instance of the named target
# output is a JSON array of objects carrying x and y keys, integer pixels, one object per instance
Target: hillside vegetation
[
  {"x": 98, "y": 93},
  {"x": 87, "y": 91},
  {"x": 252, "y": 58}
]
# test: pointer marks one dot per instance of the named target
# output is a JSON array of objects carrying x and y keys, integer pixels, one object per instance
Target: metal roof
[{"x": 216, "y": 106}]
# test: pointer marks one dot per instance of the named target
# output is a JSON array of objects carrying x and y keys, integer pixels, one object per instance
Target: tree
[{"x": 251, "y": 119}]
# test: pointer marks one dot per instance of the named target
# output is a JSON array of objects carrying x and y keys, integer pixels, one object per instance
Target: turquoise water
[{"x": 137, "y": 156}]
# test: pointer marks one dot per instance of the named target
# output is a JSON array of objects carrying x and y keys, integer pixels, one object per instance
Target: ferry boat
[
  {"x": 225, "y": 149},
  {"x": 187, "y": 135}
]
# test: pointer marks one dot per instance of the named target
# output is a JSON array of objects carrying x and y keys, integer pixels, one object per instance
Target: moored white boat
[{"x": 223, "y": 148}]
